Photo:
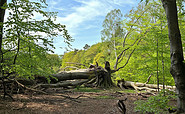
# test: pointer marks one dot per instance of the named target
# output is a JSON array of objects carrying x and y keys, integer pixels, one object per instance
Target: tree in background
[
  {"x": 54, "y": 61},
  {"x": 86, "y": 47},
  {"x": 25, "y": 41},
  {"x": 112, "y": 32}
]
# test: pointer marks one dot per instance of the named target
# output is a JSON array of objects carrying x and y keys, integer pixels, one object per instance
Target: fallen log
[
  {"x": 64, "y": 84},
  {"x": 143, "y": 86},
  {"x": 75, "y": 74},
  {"x": 102, "y": 75}
]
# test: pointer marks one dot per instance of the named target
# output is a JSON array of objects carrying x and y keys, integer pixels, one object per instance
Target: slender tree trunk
[
  {"x": 2, "y": 14},
  {"x": 177, "y": 66}
]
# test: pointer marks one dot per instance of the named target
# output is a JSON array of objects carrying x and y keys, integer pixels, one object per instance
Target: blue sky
[{"x": 84, "y": 18}]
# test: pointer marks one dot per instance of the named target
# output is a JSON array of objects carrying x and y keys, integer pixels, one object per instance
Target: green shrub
[{"x": 155, "y": 104}]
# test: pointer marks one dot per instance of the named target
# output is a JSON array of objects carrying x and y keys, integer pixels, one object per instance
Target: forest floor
[{"x": 82, "y": 101}]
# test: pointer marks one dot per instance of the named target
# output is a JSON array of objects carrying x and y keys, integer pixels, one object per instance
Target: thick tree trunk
[
  {"x": 2, "y": 14},
  {"x": 65, "y": 84},
  {"x": 103, "y": 78},
  {"x": 177, "y": 66},
  {"x": 74, "y": 74}
]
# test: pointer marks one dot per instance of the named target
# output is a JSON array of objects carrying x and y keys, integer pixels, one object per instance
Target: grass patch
[
  {"x": 131, "y": 91},
  {"x": 128, "y": 91},
  {"x": 83, "y": 89},
  {"x": 96, "y": 90}
]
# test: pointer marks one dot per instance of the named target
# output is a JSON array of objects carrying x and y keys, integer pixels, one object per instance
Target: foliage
[
  {"x": 27, "y": 41},
  {"x": 54, "y": 61},
  {"x": 149, "y": 25},
  {"x": 99, "y": 58},
  {"x": 85, "y": 57},
  {"x": 155, "y": 104},
  {"x": 112, "y": 33}
]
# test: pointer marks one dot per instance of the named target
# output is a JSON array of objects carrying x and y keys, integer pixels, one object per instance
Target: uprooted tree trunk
[
  {"x": 96, "y": 75},
  {"x": 103, "y": 77}
]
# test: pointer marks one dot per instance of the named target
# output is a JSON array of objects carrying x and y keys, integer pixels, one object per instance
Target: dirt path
[{"x": 59, "y": 103}]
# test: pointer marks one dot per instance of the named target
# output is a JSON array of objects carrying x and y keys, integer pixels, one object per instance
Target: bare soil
[{"x": 68, "y": 102}]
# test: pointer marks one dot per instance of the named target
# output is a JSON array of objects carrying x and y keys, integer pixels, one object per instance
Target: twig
[
  {"x": 121, "y": 106},
  {"x": 30, "y": 88},
  {"x": 71, "y": 98},
  {"x": 127, "y": 60}
]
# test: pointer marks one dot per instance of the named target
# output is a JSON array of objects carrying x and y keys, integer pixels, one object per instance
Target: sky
[{"x": 84, "y": 19}]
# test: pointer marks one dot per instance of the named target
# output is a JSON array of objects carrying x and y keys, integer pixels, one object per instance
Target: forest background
[
  {"x": 138, "y": 44},
  {"x": 143, "y": 35}
]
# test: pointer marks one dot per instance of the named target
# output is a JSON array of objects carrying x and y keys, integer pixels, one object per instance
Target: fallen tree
[
  {"x": 97, "y": 76},
  {"x": 142, "y": 86},
  {"x": 94, "y": 76}
]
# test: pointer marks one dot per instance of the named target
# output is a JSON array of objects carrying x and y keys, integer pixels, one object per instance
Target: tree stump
[{"x": 103, "y": 77}]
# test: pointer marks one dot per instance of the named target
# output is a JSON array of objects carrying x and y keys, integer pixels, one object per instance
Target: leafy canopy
[{"x": 27, "y": 41}]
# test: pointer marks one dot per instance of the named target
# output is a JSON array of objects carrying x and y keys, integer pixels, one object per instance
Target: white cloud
[
  {"x": 88, "y": 10},
  {"x": 53, "y": 3},
  {"x": 81, "y": 16},
  {"x": 84, "y": 18},
  {"x": 122, "y": 2}
]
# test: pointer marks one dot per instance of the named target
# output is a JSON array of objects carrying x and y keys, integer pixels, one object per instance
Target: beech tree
[
  {"x": 176, "y": 51},
  {"x": 25, "y": 41}
]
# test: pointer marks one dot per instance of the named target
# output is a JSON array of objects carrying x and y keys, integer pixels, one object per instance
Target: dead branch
[
  {"x": 71, "y": 98},
  {"x": 147, "y": 87},
  {"x": 148, "y": 79},
  {"x": 31, "y": 89}
]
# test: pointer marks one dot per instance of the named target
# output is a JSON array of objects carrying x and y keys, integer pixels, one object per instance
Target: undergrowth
[{"x": 156, "y": 104}]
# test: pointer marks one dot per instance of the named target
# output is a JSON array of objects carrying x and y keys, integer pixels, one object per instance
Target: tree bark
[
  {"x": 65, "y": 84},
  {"x": 103, "y": 77},
  {"x": 177, "y": 66},
  {"x": 75, "y": 74},
  {"x": 2, "y": 14}
]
